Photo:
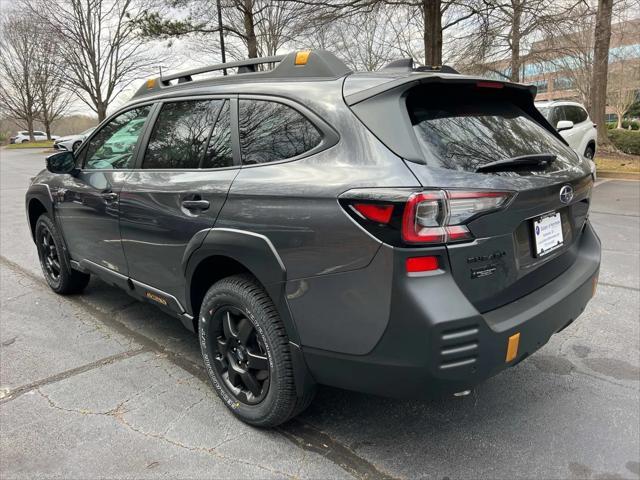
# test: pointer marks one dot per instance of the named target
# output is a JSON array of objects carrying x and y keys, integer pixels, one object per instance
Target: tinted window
[
  {"x": 271, "y": 131},
  {"x": 40, "y": 133},
  {"x": 460, "y": 129},
  {"x": 218, "y": 152},
  {"x": 552, "y": 114},
  {"x": 574, "y": 114},
  {"x": 179, "y": 137},
  {"x": 113, "y": 146}
]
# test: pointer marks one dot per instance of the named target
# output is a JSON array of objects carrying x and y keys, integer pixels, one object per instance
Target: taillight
[
  {"x": 374, "y": 212},
  {"x": 400, "y": 217},
  {"x": 439, "y": 216}
]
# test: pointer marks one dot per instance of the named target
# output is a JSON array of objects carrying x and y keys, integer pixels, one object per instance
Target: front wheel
[
  {"x": 246, "y": 352},
  {"x": 54, "y": 261}
]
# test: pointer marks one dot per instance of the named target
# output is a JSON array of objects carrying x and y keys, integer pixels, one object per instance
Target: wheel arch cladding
[
  {"x": 225, "y": 252},
  {"x": 35, "y": 208}
]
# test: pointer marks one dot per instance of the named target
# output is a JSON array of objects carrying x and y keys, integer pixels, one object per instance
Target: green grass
[{"x": 45, "y": 144}]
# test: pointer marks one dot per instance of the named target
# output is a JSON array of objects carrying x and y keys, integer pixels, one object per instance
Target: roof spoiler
[
  {"x": 406, "y": 65},
  {"x": 307, "y": 64}
]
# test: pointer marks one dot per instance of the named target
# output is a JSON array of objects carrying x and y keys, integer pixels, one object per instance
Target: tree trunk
[
  {"x": 619, "y": 115},
  {"x": 249, "y": 28},
  {"x": 101, "y": 110},
  {"x": 30, "y": 128},
  {"x": 515, "y": 41},
  {"x": 600, "y": 69},
  {"x": 432, "y": 15}
]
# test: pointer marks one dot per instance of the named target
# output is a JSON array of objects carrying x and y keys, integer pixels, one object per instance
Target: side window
[
  {"x": 179, "y": 137},
  {"x": 113, "y": 146},
  {"x": 271, "y": 131},
  {"x": 218, "y": 152},
  {"x": 581, "y": 115}
]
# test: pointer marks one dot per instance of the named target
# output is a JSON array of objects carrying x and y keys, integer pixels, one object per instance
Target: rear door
[
  {"x": 451, "y": 129},
  {"x": 534, "y": 239},
  {"x": 181, "y": 181}
]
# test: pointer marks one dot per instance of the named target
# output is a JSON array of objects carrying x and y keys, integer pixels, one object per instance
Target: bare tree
[
  {"x": 55, "y": 99},
  {"x": 252, "y": 28},
  {"x": 621, "y": 93},
  {"x": 602, "y": 39},
  {"x": 98, "y": 45},
  {"x": 19, "y": 96}
]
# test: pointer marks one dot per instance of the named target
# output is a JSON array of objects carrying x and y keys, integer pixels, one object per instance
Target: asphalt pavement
[{"x": 100, "y": 385}]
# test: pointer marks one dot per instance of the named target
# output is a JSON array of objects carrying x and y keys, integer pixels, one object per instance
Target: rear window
[{"x": 462, "y": 129}]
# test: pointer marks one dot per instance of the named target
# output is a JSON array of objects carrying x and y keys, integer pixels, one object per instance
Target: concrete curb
[{"x": 618, "y": 175}]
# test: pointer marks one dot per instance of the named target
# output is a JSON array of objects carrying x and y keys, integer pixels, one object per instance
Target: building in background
[{"x": 560, "y": 65}]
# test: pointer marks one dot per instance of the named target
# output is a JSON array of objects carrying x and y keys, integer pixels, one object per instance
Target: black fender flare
[
  {"x": 258, "y": 255},
  {"x": 252, "y": 250},
  {"x": 42, "y": 193}
]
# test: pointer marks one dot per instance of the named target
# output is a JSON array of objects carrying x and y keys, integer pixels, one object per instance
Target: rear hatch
[{"x": 460, "y": 134}]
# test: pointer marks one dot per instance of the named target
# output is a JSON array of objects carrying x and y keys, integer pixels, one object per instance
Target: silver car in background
[{"x": 72, "y": 142}]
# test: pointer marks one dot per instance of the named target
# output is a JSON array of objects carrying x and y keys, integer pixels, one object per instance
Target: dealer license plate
[{"x": 547, "y": 233}]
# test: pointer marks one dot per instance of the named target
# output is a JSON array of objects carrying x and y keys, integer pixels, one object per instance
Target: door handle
[
  {"x": 110, "y": 197},
  {"x": 195, "y": 204}
]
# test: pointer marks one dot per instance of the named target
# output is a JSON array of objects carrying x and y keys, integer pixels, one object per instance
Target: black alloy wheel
[
  {"x": 49, "y": 255},
  {"x": 240, "y": 356}
]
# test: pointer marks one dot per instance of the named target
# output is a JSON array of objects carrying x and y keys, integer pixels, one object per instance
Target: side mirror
[
  {"x": 564, "y": 125},
  {"x": 62, "y": 162}
]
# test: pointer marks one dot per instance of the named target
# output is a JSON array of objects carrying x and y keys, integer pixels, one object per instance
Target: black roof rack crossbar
[{"x": 186, "y": 76}]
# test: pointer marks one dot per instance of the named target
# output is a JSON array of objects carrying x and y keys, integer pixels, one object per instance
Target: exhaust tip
[{"x": 463, "y": 393}]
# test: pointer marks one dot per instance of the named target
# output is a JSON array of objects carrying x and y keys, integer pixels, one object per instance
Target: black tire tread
[
  {"x": 71, "y": 281},
  {"x": 287, "y": 404}
]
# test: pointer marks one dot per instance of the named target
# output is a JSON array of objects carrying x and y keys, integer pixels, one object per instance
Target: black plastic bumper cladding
[{"x": 437, "y": 342}]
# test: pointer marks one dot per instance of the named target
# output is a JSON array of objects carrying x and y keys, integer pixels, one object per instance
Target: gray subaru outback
[{"x": 407, "y": 232}]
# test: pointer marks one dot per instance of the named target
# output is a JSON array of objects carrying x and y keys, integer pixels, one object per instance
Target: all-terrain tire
[
  {"x": 243, "y": 295},
  {"x": 54, "y": 260}
]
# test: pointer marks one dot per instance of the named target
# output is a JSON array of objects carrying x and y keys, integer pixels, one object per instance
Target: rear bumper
[{"x": 436, "y": 342}]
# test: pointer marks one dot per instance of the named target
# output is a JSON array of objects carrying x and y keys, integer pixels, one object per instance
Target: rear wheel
[
  {"x": 590, "y": 152},
  {"x": 246, "y": 352},
  {"x": 54, "y": 261}
]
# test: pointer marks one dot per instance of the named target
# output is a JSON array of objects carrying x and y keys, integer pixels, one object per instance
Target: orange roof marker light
[
  {"x": 151, "y": 83},
  {"x": 302, "y": 57}
]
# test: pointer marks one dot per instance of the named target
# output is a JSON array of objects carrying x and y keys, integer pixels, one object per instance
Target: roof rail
[
  {"x": 314, "y": 64},
  {"x": 406, "y": 65}
]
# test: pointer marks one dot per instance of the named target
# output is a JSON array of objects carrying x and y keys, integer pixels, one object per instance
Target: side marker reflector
[
  {"x": 512, "y": 347},
  {"x": 422, "y": 264},
  {"x": 302, "y": 57}
]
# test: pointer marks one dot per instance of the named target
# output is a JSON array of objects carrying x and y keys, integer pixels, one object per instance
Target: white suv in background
[
  {"x": 38, "y": 136},
  {"x": 573, "y": 123}
]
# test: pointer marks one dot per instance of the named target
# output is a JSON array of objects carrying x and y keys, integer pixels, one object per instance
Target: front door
[
  {"x": 178, "y": 188},
  {"x": 87, "y": 207}
]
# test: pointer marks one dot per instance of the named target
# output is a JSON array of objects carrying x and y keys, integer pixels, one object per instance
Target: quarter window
[
  {"x": 180, "y": 135},
  {"x": 113, "y": 146},
  {"x": 271, "y": 131}
]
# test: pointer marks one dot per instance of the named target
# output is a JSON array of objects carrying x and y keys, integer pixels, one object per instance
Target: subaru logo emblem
[{"x": 566, "y": 194}]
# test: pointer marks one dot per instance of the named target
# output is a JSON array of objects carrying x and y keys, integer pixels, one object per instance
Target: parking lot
[{"x": 100, "y": 385}]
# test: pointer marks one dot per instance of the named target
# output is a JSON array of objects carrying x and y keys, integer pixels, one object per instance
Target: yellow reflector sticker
[
  {"x": 512, "y": 347},
  {"x": 151, "y": 83},
  {"x": 302, "y": 57}
]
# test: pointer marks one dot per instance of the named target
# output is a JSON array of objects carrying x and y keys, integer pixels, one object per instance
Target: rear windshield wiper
[{"x": 538, "y": 160}]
